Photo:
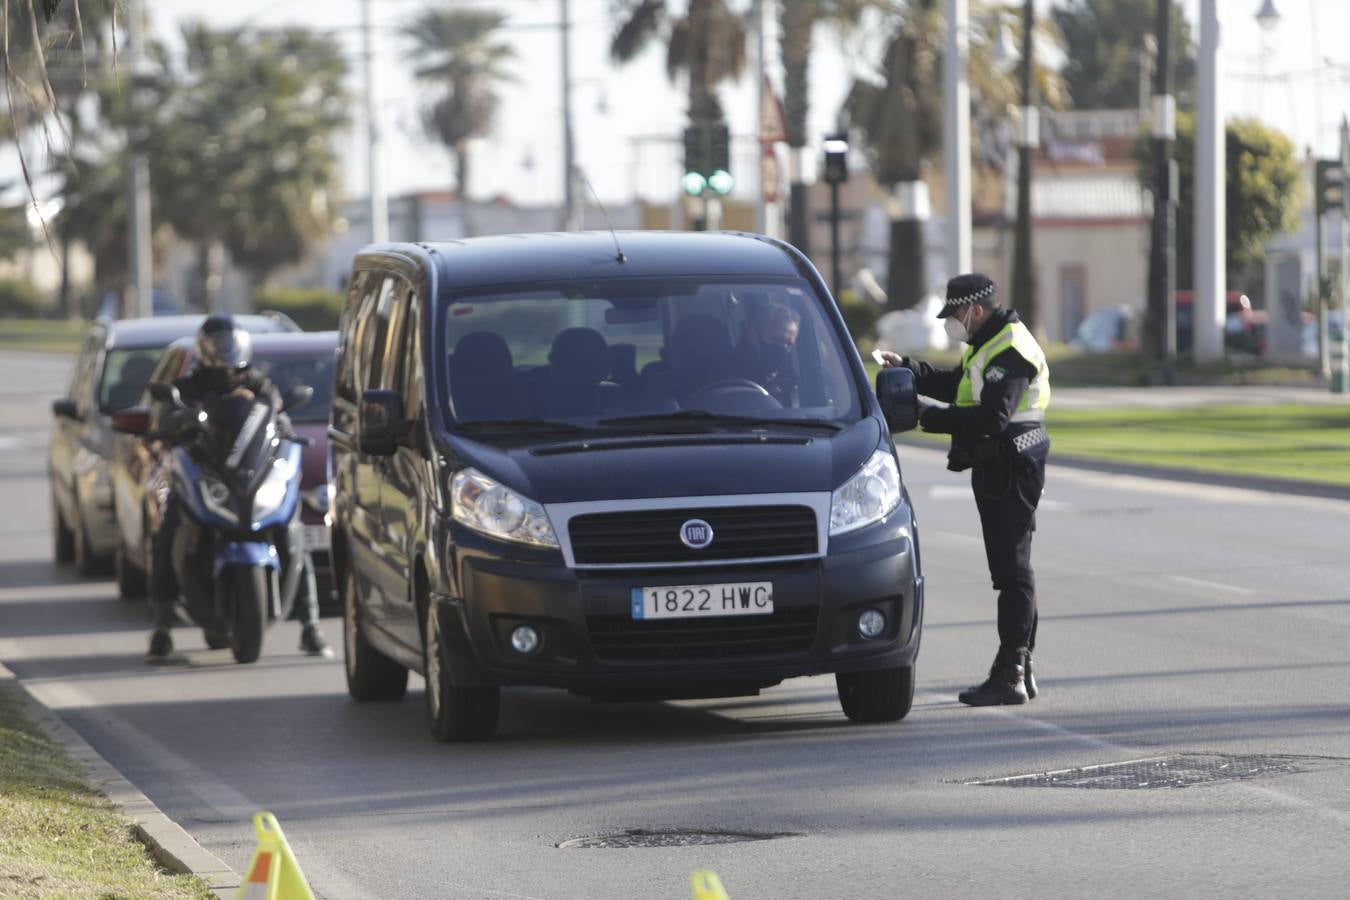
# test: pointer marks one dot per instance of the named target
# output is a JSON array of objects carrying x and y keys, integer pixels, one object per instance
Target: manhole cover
[
  {"x": 1176, "y": 771},
  {"x": 641, "y": 839}
]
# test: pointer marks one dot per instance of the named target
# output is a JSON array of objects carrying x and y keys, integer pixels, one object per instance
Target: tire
[
  {"x": 250, "y": 611},
  {"x": 87, "y": 562},
  {"x": 881, "y": 695},
  {"x": 455, "y": 714},
  {"x": 370, "y": 674},
  {"x": 131, "y": 580},
  {"x": 63, "y": 538},
  {"x": 216, "y": 640}
]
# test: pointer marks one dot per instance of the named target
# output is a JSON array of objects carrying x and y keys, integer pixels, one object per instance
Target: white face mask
[{"x": 956, "y": 329}]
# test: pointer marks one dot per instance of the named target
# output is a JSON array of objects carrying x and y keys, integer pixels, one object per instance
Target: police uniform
[{"x": 998, "y": 396}]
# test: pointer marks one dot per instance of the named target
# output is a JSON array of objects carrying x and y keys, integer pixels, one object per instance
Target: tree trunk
[
  {"x": 462, "y": 165},
  {"x": 210, "y": 273},
  {"x": 906, "y": 283}
]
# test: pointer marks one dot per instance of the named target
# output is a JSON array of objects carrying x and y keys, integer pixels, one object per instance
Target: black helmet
[{"x": 223, "y": 345}]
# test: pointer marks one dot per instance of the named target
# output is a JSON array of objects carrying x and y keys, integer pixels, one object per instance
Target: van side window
[
  {"x": 411, "y": 354},
  {"x": 395, "y": 345},
  {"x": 347, "y": 333},
  {"x": 373, "y": 329}
]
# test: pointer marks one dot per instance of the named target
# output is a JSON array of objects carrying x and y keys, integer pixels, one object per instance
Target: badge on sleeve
[{"x": 995, "y": 374}]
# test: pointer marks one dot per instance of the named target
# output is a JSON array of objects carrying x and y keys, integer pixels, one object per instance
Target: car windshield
[
  {"x": 606, "y": 354},
  {"x": 289, "y": 370},
  {"x": 125, "y": 373}
]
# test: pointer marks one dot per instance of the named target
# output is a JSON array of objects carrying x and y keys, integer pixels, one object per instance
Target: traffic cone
[
  {"x": 707, "y": 886},
  {"x": 273, "y": 874}
]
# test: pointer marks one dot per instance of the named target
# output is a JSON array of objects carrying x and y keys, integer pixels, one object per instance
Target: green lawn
[
  {"x": 60, "y": 838},
  {"x": 1299, "y": 443},
  {"x": 48, "y": 335}
]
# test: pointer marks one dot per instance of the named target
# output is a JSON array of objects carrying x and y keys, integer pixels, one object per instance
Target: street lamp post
[
  {"x": 955, "y": 64},
  {"x": 571, "y": 209},
  {"x": 141, "y": 262},
  {"x": 1162, "y": 249},
  {"x": 836, "y": 173},
  {"x": 1023, "y": 289}
]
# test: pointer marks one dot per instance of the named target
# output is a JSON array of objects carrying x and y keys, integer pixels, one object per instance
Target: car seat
[
  {"x": 482, "y": 378},
  {"x": 579, "y": 364}
]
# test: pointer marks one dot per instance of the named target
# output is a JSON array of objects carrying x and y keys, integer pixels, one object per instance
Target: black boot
[
  {"x": 314, "y": 643},
  {"x": 1029, "y": 680},
  {"x": 1005, "y": 685},
  {"x": 161, "y": 646}
]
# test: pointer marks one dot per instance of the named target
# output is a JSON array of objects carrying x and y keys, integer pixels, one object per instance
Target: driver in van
[
  {"x": 767, "y": 351},
  {"x": 224, "y": 356}
]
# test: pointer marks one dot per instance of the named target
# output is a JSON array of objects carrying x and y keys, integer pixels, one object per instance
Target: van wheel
[
  {"x": 130, "y": 577},
  {"x": 370, "y": 674},
  {"x": 455, "y": 713},
  {"x": 881, "y": 695},
  {"x": 63, "y": 538}
]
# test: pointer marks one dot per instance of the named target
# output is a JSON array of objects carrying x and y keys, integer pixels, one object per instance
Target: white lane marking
[
  {"x": 1213, "y": 585},
  {"x": 1232, "y": 496}
]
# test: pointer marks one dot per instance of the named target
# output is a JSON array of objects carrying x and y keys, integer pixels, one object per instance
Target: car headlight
[
  {"x": 272, "y": 492},
  {"x": 869, "y": 496},
  {"x": 494, "y": 509},
  {"x": 320, "y": 499},
  {"x": 216, "y": 498}
]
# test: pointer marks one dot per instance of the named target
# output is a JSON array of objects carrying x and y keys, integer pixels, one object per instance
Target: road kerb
[{"x": 168, "y": 843}]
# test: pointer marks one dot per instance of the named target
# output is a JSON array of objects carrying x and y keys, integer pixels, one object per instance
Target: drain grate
[
  {"x": 675, "y": 837},
  {"x": 1178, "y": 770}
]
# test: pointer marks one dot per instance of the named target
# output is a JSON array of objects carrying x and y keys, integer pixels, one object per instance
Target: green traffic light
[
  {"x": 721, "y": 181},
  {"x": 693, "y": 183}
]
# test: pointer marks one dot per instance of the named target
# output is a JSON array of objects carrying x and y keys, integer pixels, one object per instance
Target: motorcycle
[{"x": 236, "y": 475}]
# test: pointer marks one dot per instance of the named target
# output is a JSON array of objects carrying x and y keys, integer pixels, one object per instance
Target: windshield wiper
[
  {"x": 518, "y": 425},
  {"x": 701, "y": 417}
]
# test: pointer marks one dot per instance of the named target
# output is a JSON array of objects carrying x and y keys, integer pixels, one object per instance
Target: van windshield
[{"x": 604, "y": 354}]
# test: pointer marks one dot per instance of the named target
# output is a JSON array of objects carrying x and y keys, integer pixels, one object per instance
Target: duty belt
[{"x": 1028, "y": 439}]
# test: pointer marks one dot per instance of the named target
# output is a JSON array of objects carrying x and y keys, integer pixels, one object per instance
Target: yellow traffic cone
[
  {"x": 273, "y": 874},
  {"x": 707, "y": 886}
]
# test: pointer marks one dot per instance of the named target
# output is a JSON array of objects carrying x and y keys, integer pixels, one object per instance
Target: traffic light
[
  {"x": 1330, "y": 187},
  {"x": 707, "y": 159}
]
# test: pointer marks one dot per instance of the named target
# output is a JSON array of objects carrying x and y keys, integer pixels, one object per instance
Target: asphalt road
[{"x": 1175, "y": 619}]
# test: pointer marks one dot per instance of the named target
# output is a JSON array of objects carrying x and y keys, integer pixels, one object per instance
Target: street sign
[
  {"x": 772, "y": 122},
  {"x": 770, "y": 173}
]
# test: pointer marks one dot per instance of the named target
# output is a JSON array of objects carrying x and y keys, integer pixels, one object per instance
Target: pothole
[
  {"x": 640, "y": 838},
  {"x": 1178, "y": 770}
]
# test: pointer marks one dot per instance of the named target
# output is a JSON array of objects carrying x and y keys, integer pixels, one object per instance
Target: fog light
[
  {"x": 525, "y": 640},
  {"x": 871, "y": 623}
]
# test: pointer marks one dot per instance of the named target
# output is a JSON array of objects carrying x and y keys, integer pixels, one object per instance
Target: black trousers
[
  {"x": 164, "y": 582},
  {"x": 1007, "y": 492}
]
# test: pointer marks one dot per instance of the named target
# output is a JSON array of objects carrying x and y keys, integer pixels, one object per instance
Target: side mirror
[
  {"x": 65, "y": 408},
  {"x": 899, "y": 399},
  {"x": 297, "y": 397},
  {"x": 380, "y": 422},
  {"x": 135, "y": 420},
  {"x": 166, "y": 393}
]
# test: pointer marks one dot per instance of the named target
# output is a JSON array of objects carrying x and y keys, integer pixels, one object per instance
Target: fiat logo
[{"x": 696, "y": 534}]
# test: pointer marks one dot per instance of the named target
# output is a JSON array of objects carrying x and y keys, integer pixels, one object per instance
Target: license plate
[
  {"x": 316, "y": 537},
  {"x": 699, "y": 601}
]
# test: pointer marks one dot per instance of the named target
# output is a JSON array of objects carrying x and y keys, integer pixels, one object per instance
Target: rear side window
[{"x": 125, "y": 375}]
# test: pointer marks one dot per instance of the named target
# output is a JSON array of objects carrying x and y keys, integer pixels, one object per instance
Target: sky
[{"x": 627, "y": 117}]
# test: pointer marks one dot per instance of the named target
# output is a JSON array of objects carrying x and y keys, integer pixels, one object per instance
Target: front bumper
[{"x": 591, "y": 644}]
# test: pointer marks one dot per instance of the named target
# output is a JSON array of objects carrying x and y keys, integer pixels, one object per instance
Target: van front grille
[
  {"x": 621, "y": 639},
  {"x": 652, "y": 537}
]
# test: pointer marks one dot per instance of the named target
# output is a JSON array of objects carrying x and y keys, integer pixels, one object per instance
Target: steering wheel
[{"x": 732, "y": 386}]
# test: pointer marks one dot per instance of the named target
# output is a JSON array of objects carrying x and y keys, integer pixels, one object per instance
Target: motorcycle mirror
[
  {"x": 166, "y": 393},
  {"x": 297, "y": 397}
]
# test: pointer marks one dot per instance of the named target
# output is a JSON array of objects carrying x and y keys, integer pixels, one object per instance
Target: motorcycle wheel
[{"x": 249, "y": 590}]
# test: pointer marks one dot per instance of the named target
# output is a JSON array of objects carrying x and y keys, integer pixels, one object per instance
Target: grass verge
[
  {"x": 46, "y": 335},
  {"x": 1303, "y": 443},
  {"x": 59, "y": 837}
]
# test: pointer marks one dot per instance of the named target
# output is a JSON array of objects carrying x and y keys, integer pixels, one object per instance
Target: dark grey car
[{"x": 114, "y": 364}]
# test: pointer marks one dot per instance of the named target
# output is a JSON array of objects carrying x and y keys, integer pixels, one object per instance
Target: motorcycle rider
[{"x": 223, "y": 366}]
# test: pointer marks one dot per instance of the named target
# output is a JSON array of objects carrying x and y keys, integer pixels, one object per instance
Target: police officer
[
  {"x": 223, "y": 364},
  {"x": 997, "y": 399}
]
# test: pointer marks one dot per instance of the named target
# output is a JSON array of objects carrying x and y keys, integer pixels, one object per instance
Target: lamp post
[
  {"x": 1162, "y": 247},
  {"x": 955, "y": 64},
  {"x": 836, "y": 173},
  {"x": 1023, "y": 288},
  {"x": 141, "y": 261}
]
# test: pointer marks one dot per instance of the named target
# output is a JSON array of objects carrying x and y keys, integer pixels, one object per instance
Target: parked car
[
  {"x": 1238, "y": 333},
  {"x": 640, "y": 474},
  {"x": 111, "y": 371},
  {"x": 1113, "y": 328},
  {"x": 139, "y": 472}
]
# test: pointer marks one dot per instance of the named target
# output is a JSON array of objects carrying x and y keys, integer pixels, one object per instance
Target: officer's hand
[{"x": 891, "y": 360}]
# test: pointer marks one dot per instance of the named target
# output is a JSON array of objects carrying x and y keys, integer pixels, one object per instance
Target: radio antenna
[{"x": 619, "y": 256}]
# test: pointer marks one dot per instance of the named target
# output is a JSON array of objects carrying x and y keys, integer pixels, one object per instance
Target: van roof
[{"x": 558, "y": 256}]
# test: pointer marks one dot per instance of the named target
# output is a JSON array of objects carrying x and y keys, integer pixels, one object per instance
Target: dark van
[{"x": 634, "y": 466}]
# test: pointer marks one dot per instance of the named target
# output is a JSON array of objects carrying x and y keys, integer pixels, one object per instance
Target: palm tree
[
  {"x": 707, "y": 44},
  {"x": 901, "y": 117},
  {"x": 457, "y": 52},
  {"x": 796, "y": 25}
]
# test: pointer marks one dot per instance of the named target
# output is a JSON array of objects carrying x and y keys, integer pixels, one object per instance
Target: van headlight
[
  {"x": 869, "y": 496},
  {"x": 494, "y": 509},
  {"x": 272, "y": 492}
]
